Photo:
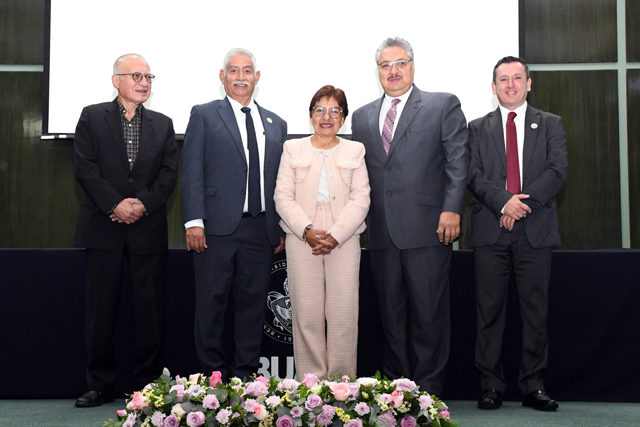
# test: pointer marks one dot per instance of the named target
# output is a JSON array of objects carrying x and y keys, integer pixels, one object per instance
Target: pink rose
[
  {"x": 179, "y": 388},
  {"x": 445, "y": 414},
  {"x": 195, "y": 419},
  {"x": 121, "y": 412},
  {"x": 216, "y": 378},
  {"x": 285, "y": 421},
  {"x": 263, "y": 380},
  {"x": 408, "y": 422},
  {"x": 341, "y": 391},
  {"x": 355, "y": 389},
  {"x": 260, "y": 412},
  {"x": 310, "y": 380},
  {"x": 170, "y": 421},
  {"x": 354, "y": 423},
  {"x": 138, "y": 401},
  {"x": 313, "y": 401},
  {"x": 396, "y": 399}
]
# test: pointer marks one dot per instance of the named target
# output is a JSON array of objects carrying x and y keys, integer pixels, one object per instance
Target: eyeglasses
[
  {"x": 400, "y": 65},
  {"x": 137, "y": 77},
  {"x": 334, "y": 112}
]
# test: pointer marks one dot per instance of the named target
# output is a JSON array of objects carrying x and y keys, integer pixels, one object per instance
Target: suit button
[
  {"x": 130, "y": 179},
  {"x": 387, "y": 167},
  {"x": 242, "y": 191},
  {"x": 388, "y": 193}
]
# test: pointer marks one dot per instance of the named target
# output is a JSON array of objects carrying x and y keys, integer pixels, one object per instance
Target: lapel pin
[
  {"x": 269, "y": 120},
  {"x": 534, "y": 126}
]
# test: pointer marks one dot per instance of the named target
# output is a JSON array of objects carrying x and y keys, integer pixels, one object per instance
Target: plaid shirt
[{"x": 131, "y": 132}]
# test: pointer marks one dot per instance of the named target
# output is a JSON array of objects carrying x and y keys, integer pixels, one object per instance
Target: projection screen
[{"x": 299, "y": 45}]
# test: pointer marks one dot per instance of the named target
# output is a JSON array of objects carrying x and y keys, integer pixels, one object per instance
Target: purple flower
[
  {"x": 408, "y": 422},
  {"x": 157, "y": 418},
  {"x": 354, "y": 423},
  {"x": 195, "y": 390},
  {"x": 324, "y": 419},
  {"x": 297, "y": 411},
  {"x": 210, "y": 402},
  {"x": 285, "y": 421},
  {"x": 388, "y": 419},
  {"x": 362, "y": 409},
  {"x": 170, "y": 421},
  {"x": 313, "y": 401},
  {"x": 195, "y": 419}
]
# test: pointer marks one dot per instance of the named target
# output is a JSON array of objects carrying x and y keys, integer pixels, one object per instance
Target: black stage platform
[{"x": 594, "y": 322}]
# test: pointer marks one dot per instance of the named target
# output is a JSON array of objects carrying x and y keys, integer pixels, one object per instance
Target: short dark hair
[
  {"x": 330, "y": 92},
  {"x": 509, "y": 60}
]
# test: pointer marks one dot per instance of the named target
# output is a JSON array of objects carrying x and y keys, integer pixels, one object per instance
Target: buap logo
[{"x": 278, "y": 325}]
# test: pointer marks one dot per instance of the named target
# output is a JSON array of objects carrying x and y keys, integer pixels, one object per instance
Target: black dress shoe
[
  {"x": 539, "y": 400},
  {"x": 490, "y": 399},
  {"x": 94, "y": 398}
]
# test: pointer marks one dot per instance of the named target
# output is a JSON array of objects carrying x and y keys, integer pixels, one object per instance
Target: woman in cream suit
[{"x": 322, "y": 196}]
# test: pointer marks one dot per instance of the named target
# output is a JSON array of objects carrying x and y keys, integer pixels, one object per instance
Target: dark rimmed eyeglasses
[
  {"x": 137, "y": 77},
  {"x": 334, "y": 112},
  {"x": 400, "y": 65}
]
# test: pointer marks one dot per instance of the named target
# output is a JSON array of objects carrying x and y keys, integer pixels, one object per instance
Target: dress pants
[
  {"x": 323, "y": 289},
  {"x": 412, "y": 287},
  {"x": 493, "y": 267},
  {"x": 147, "y": 277},
  {"x": 240, "y": 263}
]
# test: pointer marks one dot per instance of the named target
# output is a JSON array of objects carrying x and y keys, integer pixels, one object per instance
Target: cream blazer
[{"x": 296, "y": 190}]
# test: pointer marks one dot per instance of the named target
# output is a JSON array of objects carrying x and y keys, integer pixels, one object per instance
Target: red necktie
[{"x": 513, "y": 166}]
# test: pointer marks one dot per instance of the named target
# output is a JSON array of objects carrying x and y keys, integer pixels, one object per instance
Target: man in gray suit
[
  {"x": 417, "y": 158},
  {"x": 232, "y": 150},
  {"x": 518, "y": 165}
]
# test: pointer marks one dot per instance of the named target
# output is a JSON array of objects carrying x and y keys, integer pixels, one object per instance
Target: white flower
[
  {"x": 367, "y": 381},
  {"x": 273, "y": 400},
  {"x": 178, "y": 411}
]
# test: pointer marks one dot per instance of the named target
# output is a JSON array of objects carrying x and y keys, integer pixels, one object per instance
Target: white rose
[
  {"x": 178, "y": 411},
  {"x": 366, "y": 381}
]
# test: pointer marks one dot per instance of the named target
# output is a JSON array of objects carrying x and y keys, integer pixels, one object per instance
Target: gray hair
[
  {"x": 392, "y": 42},
  {"x": 238, "y": 51},
  {"x": 116, "y": 65}
]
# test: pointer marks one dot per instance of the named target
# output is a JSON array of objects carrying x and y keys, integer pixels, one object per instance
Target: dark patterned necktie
[{"x": 387, "y": 129}]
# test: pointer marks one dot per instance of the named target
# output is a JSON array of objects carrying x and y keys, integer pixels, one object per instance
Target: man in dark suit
[
  {"x": 232, "y": 151},
  {"x": 417, "y": 158},
  {"x": 126, "y": 162},
  {"x": 518, "y": 165}
]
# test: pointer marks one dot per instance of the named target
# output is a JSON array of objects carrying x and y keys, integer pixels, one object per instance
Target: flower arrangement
[{"x": 343, "y": 402}]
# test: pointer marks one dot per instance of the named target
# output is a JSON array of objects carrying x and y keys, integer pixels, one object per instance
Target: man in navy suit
[
  {"x": 126, "y": 161},
  {"x": 518, "y": 165},
  {"x": 418, "y": 160},
  {"x": 232, "y": 151}
]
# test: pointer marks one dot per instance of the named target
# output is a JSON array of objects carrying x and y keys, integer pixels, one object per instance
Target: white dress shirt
[
  {"x": 241, "y": 119},
  {"x": 386, "y": 105}
]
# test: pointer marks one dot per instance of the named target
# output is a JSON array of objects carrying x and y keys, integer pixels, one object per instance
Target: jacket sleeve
[
  {"x": 87, "y": 170},
  {"x": 156, "y": 195}
]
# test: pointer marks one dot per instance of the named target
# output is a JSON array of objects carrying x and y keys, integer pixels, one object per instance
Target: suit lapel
[
  {"x": 146, "y": 135},
  {"x": 373, "y": 118},
  {"x": 414, "y": 104},
  {"x": 269, "y": 136},
  {"x": 114, "y": 123},
  {"x": 229, "y": 119},
  {"x": 495, "y": 124},
  {"x": 531, "y": 124}
]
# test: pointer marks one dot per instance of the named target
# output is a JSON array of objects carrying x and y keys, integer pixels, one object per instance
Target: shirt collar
[{"x": 520, "y": 111}]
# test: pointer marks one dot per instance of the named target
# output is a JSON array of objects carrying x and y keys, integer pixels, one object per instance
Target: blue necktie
[{"x": 255, "y": 203}]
